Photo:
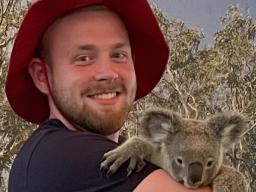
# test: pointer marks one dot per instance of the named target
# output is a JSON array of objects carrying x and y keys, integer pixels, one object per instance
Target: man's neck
[{"x": 114, "y": 136}]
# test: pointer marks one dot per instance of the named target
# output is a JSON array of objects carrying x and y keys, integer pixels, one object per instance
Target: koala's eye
[
  {"x": 179, "y": 161},
  {"x": 209, "y": 163}
]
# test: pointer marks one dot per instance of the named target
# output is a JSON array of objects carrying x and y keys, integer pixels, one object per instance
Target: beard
[{"x": 91, "y": 119}]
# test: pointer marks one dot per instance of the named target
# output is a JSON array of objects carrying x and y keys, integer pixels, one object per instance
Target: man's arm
[{"x": 160, "y": 180}]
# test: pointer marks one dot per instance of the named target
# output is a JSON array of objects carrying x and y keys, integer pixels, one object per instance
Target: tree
[
  {"x": 13, "y": 131},
  {"x": 200, "y": 81}
]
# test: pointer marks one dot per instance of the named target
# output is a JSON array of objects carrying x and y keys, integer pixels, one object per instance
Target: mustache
[{"x": 103, "y": 87}]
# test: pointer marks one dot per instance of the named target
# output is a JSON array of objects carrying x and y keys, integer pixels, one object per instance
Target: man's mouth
[
  {"x": 105, "y": 98},
  {"x": 104, "y": 95}
]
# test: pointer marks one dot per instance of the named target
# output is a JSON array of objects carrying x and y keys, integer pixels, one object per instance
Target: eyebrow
[
  {"x": 89, "y": 47},
  {"x": 120, "y": 45}
]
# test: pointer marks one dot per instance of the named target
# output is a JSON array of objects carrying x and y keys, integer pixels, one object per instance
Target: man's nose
[{"x": 105, "y": 71}]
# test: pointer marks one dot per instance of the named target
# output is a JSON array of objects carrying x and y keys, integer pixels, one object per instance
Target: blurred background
[{"x": 205, "y": 14}]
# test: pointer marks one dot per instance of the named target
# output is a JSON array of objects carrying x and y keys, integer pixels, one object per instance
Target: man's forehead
[
  {"x": 84, "y": 10},
  {"x": 113, "y": 46},
  {"x": 73, "y": 16}
]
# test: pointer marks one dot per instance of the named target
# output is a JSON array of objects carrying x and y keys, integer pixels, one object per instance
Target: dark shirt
[{"x": 56, "y": 159}]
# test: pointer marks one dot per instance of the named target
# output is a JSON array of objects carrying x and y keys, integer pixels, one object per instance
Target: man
[{"x": 79, "y": 65}]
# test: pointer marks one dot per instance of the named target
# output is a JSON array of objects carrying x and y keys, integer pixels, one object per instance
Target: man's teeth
[{"x": 105, "y": 96}]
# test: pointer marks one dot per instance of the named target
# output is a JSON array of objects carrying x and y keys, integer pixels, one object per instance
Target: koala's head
[{"x": 193, "y": 149}]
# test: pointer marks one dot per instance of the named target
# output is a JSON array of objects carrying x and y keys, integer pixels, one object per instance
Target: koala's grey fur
[{"x": 190, "y": 150}]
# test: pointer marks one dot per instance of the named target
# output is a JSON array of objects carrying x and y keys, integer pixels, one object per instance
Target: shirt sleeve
[{"x": 70, "y": 162}]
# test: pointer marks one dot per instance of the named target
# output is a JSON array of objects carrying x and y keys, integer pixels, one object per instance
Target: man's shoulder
[
  {"x": 54, "y": 159},
  {"x": 53, "y": 144}
]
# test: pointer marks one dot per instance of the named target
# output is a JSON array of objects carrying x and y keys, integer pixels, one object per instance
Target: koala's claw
[
  {"x": 111, "y": 163},
  {"x": 131, "y": 166},
  {"x": 113, "y": 160},
  {"x": 140, "y": 165},
  {"x": 137, "y": 163}
]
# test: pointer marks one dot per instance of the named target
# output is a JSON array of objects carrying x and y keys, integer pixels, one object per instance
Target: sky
[{"x": 204, "y": 14}]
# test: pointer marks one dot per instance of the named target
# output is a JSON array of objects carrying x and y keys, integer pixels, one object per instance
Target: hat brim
[{"x": 148, "y": 44}]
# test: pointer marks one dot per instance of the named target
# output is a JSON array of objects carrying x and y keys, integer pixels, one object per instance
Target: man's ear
[
  {"x": 38, "y": 74},
  {"x": 229, "y": 127},
  {"x": 160, "y": 124}
]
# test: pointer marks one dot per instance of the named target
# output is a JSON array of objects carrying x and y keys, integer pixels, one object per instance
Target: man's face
[{"x": 92, "y": 74}]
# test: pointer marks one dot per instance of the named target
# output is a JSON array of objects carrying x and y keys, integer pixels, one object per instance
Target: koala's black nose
[{"x": 195, "y": 171}]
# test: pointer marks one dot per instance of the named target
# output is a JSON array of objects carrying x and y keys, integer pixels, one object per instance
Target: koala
[{"x": 191, "y": 151}]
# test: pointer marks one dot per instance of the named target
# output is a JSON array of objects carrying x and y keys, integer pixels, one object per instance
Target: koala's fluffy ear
[
  {"x": 159, "y": 124},
  {"x": 229, "y": 127}
]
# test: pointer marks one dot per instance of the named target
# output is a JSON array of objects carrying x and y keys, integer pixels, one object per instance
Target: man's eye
[
  {"x": 118, "y": 55},
  {"x": 83, "y": 58},
  {"x": 121, "y": 57}
]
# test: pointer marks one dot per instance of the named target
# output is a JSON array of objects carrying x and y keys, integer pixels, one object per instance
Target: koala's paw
[
  {"x": 217, "y": 188},
  {"x": 135, "y": 150},
  {"x": 229, "y": 180},
  {"x": 113, "y": 160}
]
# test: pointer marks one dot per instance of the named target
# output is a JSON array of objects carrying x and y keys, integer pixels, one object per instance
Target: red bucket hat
[{"x": 148, "y": 45}]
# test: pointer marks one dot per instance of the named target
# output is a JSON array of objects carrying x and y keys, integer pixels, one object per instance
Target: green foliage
[
  {"x": 202, "y": 81},
  {"x": 13, "y": 131}
]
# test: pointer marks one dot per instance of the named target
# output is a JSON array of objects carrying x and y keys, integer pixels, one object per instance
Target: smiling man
[
  {"x": 80, "y": 64},
  {"x": 92, "y": 79}
]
